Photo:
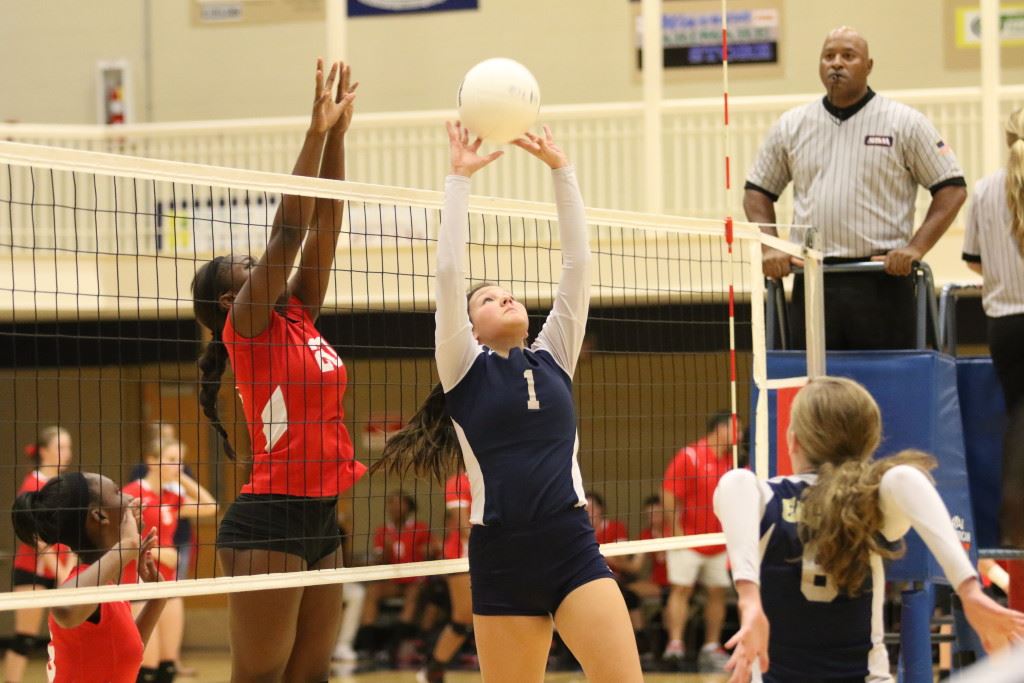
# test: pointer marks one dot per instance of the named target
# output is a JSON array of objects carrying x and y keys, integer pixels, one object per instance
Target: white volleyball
[{"x": 498, "y": 100}]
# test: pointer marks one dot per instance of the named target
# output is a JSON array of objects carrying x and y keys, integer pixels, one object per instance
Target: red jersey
[
  {"x": 691, "y": 478},
  {"x": 110, "y": 651},
  {"x": 456, "y": 495},
  {"x": 26, "y": 557},
  {"x": 292, "y": 383},
  {"x": 611, "y": 531},
  {"x": 159, "y": 511},
  {"x": 659, "y": 570},
  {"x": 409, "y": 543}
]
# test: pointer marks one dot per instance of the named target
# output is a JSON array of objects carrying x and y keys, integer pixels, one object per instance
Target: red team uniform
[
  {"x": 160, "y": 511},
  {"x": 691, "y": 478},
  {"x": 291, "y": 382},
  {"x": 109, "y": 651},
  {"x": 26, "y": 558},
  {"x": 456, "y": 495},
  {"x": 659, "y": 570},
  {"x": 611, "y": 531},
  {"x": 410, "y": 543}
]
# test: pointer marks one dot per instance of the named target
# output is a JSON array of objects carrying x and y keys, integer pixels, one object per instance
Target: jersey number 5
[{"x": 531, "y": 403}]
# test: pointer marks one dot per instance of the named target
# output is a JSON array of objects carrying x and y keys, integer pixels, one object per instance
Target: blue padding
[
  {"x": 917, "y": 394},
  {"x": 984, "y": 420}
]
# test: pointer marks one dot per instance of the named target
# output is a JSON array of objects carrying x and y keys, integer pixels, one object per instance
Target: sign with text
[
  {"x": 359, "y": 8},
  {"x": 695, "y": 38}
]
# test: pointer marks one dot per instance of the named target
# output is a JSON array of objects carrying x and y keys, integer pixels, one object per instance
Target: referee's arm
[
  {"x": 946, "y": 203},
  {"x": 759, "y": 206}
]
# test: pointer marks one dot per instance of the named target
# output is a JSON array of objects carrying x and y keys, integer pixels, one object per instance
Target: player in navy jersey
[
  {"x": 262, "y": 319},
  {"x": 807, "y": 550},
  {"x": 509, "y": 408}
]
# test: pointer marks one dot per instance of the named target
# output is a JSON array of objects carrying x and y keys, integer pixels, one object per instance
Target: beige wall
[{"x": 580, "y": 50}]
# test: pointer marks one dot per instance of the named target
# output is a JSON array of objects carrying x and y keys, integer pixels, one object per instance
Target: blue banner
[{"x": 363, "y": 8}]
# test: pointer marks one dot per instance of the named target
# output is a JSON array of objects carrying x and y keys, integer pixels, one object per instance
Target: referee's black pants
[
  {"x": 1006, "y": 342},
  {"x": 872, "y": 310}
]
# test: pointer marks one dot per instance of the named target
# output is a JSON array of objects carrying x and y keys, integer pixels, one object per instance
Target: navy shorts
[
  {"x": 306, "y": 527},
  {"x": 528, "y": 571}
]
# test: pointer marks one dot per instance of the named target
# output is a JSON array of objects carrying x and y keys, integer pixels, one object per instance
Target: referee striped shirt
[
  {"x": 988, "y": 241},
  {"x": 855, "y": 171}
]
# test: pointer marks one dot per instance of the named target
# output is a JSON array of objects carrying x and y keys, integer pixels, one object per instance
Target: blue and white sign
[{"x": 362, "y": 8}]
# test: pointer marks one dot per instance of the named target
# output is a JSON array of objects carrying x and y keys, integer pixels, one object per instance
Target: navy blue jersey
[
  {"x": 522, "y": 444},
  {"x": 515, "y": 416},
  {"x": 816, "y": 633}
]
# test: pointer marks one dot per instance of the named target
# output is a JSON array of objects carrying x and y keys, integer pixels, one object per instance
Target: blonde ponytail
[
  {"x": 838, "y": 427},
  {"x": 1015, "y": 176},
  {"x": 841, "y": 517}
]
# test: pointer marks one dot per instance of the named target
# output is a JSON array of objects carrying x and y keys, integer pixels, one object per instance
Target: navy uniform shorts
[{"x": 528, "y": 571}]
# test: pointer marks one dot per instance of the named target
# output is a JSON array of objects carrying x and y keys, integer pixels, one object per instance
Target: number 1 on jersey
[{"x": 532, "y": 403}]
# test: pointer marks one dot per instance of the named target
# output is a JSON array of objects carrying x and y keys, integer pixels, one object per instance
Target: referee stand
[{"x": 933, "y": 401}]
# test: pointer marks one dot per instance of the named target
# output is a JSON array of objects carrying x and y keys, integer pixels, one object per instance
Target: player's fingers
[
  {"x": 476, "y": 144},
  {"x": 319, "y": 76},
  {"x": 762, "y": 660},
  {"x": 494, "y": 155},
  {"x": 547, "y": 133},
  {"x": 796, "y": 261},
  {"x": 731, "y": 643}
]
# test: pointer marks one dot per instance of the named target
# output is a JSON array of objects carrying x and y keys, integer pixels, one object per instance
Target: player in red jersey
[
  {"x": 166, "y": 493},
  {"x": 261, "y": 314},
  {"x": 457, "y": 502},
  {"x": 688, "y": 488},
  {"x": 399, "y": 540},
  {"x": 87, "y": 512},
  {"x": 37, "y": 567}
]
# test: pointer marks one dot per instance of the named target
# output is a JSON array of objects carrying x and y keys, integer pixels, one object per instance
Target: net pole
[{"x": 729, "y": 239}]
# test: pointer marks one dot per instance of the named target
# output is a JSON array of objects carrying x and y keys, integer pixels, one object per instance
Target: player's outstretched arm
[
  {"x": 565, "y": 327},
  {"x": 309, "y": 283},
  {"x": 454, "y": 344},
  {"x": 252, "y": 306},
  {"x": 907, "y": 498}
]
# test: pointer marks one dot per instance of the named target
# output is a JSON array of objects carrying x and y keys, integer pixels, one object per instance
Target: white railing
[{"x": 605, "y": 140}]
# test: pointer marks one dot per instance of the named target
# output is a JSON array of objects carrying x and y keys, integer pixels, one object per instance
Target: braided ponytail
[{"x": 207, "y": 286}]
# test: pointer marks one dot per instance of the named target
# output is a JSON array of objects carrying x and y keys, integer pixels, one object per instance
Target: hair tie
[{"x": 32, "y": 450}]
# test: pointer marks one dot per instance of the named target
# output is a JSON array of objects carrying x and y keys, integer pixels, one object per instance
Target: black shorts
[
  {"x": 529, "y": 571},
  {"x": 21, "y": 577},
  {"x": 305, "y": 527}
]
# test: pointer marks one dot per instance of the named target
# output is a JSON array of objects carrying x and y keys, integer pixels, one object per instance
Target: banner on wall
[
  {"x": 1011, "y": 26},
  {"x": 695, "y": 38},
  {"x": 360, "y": 8}
]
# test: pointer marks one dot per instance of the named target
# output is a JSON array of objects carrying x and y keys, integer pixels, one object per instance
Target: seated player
[
  {"x": 807, "y": 550},
  {"x": 166, "y": 494},
  {"x": 95, "y": 641},
  {"x": 400, "y": 540},
  {"x": 649, "y": 584}
]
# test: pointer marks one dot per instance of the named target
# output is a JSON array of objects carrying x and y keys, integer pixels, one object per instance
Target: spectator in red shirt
[
  {"x": 399, "y": 540},
  {"x": 87, "y": 512},
  {"x": 688, "y": 487}
]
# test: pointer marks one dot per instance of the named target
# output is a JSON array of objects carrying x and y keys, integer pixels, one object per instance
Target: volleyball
[{"x": 498, "y": 99}]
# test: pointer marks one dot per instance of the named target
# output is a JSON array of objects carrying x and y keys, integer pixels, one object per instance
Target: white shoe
[{"x": 344, "y": 653}]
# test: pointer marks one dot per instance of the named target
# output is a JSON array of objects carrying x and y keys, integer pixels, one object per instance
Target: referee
[
  {"x": 856, "y": 159},
  {"x": 994, "y": 248}
]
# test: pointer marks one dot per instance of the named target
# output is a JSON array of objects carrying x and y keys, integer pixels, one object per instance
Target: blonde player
[{"x": 807, "y": 550}]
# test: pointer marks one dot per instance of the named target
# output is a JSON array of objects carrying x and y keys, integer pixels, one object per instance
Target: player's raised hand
[
  {"x": 997, "y": 626},
  {"x": 326, "y": 111},
  {"x": 751, "y": 641},
  {"x": 543, "y": 147},
  {"x": 345, "y": 96},
  {"x": 465, "y": 156}
]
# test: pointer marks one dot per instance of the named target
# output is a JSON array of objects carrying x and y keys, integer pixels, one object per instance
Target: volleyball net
[{"x": 98, "y": 336}]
